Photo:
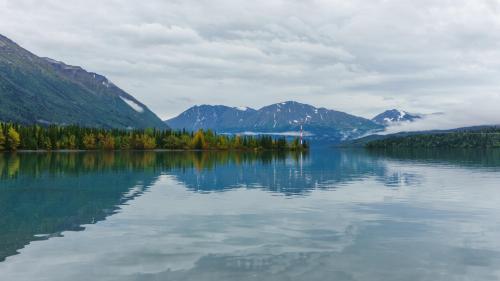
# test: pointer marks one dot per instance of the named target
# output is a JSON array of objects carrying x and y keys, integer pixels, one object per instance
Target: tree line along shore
[
  {"x": 476, "y": 139},
  {"x": 34, "y": 137}
]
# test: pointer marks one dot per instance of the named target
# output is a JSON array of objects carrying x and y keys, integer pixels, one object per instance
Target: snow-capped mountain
[
  {"x": 214, "y": 117},
  {"x": 280, "y": 118},
  {"x": 395, "y": 116}
]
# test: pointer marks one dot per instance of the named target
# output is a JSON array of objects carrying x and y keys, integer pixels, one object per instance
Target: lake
[{"x": 322, "y": 215}]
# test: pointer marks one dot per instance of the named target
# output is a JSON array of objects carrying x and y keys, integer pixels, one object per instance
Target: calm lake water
[{"x": 322, "y": 215}]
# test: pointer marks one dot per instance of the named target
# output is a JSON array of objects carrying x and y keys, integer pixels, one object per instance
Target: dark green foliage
[
  {"x": 53, "y": 137},
  {"x": 485, "y": 138}
]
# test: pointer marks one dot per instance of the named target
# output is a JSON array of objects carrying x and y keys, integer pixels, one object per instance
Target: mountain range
[
  {"x": 285, "y": 118},
  {"x": 36, "y": 90}
]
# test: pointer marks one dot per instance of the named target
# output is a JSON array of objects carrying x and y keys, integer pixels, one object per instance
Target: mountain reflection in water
[{"x": 43, "y": 195}]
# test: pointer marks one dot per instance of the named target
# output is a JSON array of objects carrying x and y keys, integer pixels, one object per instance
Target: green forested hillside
[{"x": 35, "y": 90}]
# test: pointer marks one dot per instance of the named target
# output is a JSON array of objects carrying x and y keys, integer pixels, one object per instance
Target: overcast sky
[{"x": 361, "y": 57}]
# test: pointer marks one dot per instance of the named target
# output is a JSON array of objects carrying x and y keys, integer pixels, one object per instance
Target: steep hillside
[{"x": 41, "y": 90}]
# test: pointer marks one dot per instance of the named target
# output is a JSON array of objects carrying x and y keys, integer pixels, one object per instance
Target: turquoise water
[{"x": 322, "y": 215}]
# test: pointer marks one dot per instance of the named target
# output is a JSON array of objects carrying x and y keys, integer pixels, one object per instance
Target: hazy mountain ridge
[
  {"x": 285, "y": 117},
  {"x": 42, "y": 90}
]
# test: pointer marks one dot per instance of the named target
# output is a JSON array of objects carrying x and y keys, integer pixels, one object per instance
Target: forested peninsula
[{"x": 15, "y": 137}]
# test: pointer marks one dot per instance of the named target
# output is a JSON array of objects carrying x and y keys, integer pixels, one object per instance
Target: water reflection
[
  {"x": 482, "y": 158},
  {"x": 42, "y": 195},
  {"x": 286, "y": 173},
  {"x": 341, "y": 214},
  {"x": 295, "y": 174}
]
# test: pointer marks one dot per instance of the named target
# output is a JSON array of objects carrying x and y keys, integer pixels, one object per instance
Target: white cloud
[
  {"x": 150, "y": 34},
  {"x": 480, "y": 110},
  {"x": 356, "y": 56}
]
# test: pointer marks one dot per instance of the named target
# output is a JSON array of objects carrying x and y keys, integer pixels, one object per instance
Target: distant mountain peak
[
  {"x": 290, "y": 103},
  {"x": 395, "y": 116}
]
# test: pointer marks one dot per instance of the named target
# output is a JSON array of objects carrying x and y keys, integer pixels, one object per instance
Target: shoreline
[{"x": 150, "y": 150}]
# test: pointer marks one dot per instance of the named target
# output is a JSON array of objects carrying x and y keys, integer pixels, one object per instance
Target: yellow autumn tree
[
  {"x": 89, "y": 141},
  {"x": 13, "y": 138},
  {"x": 71, "y": 142},
  {"x": 237, "y": 142},
  {"x": 149, "y": 142},
  {"x": 198, "y": 140},
  {"x": 107, "y": 142}
]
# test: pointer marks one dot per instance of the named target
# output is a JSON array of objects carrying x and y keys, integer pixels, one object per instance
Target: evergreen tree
[{"x": 3, "y": 144}]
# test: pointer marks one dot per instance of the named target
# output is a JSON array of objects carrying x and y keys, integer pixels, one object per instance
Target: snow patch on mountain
[
  {"x": 243, "y": 108},
  {"x": 133, "y": 104}
]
